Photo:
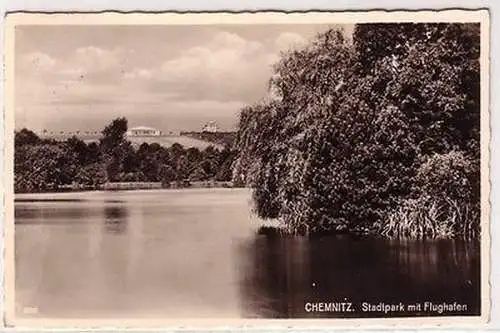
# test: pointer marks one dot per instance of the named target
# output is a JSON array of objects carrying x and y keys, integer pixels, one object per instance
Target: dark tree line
[
  {"x": 378, "y": 132},
  {"x": 45, "y": 165}
]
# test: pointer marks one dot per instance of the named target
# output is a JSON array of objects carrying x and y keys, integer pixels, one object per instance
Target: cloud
[
  {"x": 138, "y": 73},
  {"x": 37, "y": 62},
  {"x": 204, "y": 79},
  {"x": 93, "y": 63},
  {"x": 93, "y": 59},
  {"x": 289, "y": 40},
  {"x": 87, "y": 76},
  {"x": 226, "y": 67}
]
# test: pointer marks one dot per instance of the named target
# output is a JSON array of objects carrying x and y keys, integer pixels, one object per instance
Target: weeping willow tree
[{"x": 350, "y": 121}]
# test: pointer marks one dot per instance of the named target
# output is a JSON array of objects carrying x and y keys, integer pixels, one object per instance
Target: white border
[{"x": 225, "y": 18}]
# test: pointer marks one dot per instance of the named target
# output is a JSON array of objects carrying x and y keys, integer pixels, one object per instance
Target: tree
[
  {"x": 93, "y": 153},
  {"x": 25, "y": 137},
  {"x": 91, "y": 175},
  {"x": 348, "y": 124},
  {"x": 441, "y": 94},
  {"x": 167, "y": 175},
  {"x": 113, "y": 135},
  {"x": 193, "y": 155},
  {"x": 150, "y": 167},
  {"x": 176, "y": 151},
  {"x": 77, "y": 149},
  {"x": 115, "y": 159},
  {"x": 114, "y": 147},
  {"x": 225, "y": 168},
  {"x": 198, "y": 174},
  {"x": 451, "y": 175},
  {"x": 131, "y": 160},
  {"x": 210, "y": 152},
  {"x": 182, "y": 168},
  {"x": 143, "y": 150},
  {"x": 41, "y": 168}
]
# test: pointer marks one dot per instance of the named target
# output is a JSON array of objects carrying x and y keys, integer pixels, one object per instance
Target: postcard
[{"x": 265, "y": 170}]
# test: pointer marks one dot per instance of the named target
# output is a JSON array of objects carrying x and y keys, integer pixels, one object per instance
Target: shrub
[
  {"x": 91, "y": 175},
  {"x": 432, "y": 217},
  {"x": 445, "y": 200},
  {"x": 339, "y": 141},
  {"x": 451, "y": 174},
  {"x": 42, "y": 167}
]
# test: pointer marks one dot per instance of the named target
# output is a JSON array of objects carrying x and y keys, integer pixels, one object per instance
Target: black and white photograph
[{"x": 247, "y": 167}]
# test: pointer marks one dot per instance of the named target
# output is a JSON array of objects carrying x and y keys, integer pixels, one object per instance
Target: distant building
[
  {"x": 143, "y": 131},
  {"x": 211, "y": 126}
]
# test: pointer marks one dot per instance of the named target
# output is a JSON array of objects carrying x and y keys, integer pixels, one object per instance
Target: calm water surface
[{"x": 196, "y": 253}]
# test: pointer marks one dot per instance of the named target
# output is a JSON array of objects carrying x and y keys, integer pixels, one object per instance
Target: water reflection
[
  {"x": 284, "y": 273},
  {"x": 51, "y": 213},
  {"x": 115, "y": 218},
  {"x": 194, "y": 253},
  {"x": 34, "y": 200}
]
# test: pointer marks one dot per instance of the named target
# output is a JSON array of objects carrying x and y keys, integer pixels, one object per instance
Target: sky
[{"x": 172, "y": 78}]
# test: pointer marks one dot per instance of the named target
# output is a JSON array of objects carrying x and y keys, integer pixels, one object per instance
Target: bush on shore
[
  {"x": 357, "y": 131},
  {"x": 432, "y": 217},
  {"x": 444, "y": 202}
]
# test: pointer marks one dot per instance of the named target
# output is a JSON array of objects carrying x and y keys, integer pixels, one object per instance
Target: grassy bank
[{"x": 425, "y": 217}]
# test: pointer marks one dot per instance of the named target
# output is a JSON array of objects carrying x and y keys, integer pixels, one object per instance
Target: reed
[{"x": 428, "y": 217}]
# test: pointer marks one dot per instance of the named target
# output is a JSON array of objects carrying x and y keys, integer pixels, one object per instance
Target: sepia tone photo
[{"x": 247, "y": 168}]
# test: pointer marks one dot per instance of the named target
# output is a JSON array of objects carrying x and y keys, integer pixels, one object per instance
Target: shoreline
[
  {"x": 25, "y": 196},
  {"x": 266, "y": 228},
  {"x": 132, "y": 186}
]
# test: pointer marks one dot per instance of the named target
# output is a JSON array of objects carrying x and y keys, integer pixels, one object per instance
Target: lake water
[{"x": 196, "y": 253}]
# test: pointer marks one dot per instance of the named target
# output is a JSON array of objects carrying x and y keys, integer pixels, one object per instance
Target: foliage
[
  {"x": 92, "y": 174},
  {"x": 167, "y": 175},
  {"x": 432, "y": 217},
  {"x": 225, "y": 170},
  {"x": 113, "y": 135},
  {"x": 25, "y": 137},
  {"x": 41, "y": 168},
  {"x": 431, "y": 72},
  {"x": 451, "y": 174},
  {"x": 49, "y": 165},
  {"x": 346, "y": 129},
  {"x": 444, "y": 202},
  {"x": 199, "y": 174}
]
